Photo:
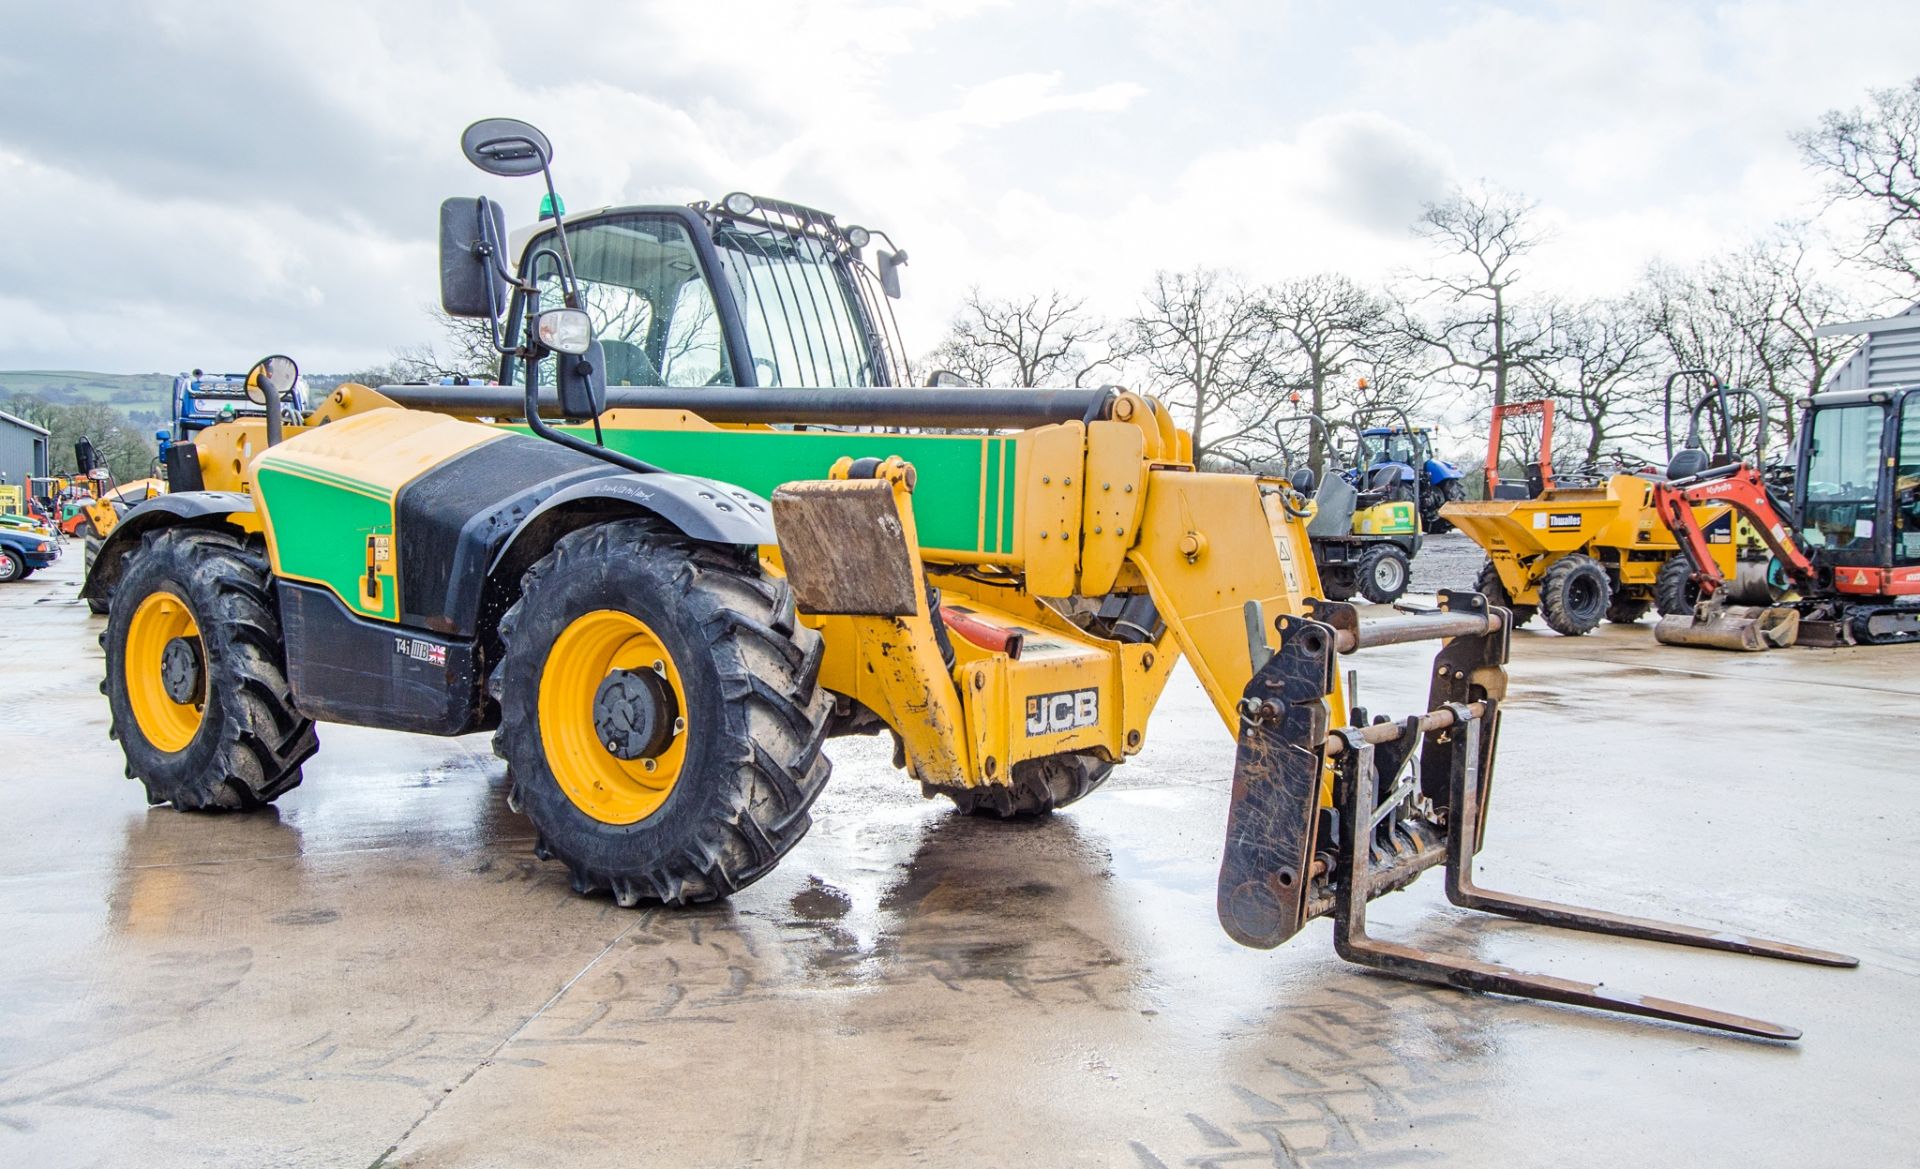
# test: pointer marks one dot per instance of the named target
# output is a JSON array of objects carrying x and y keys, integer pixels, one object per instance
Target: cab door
[{"x": 1905, "y": 487}]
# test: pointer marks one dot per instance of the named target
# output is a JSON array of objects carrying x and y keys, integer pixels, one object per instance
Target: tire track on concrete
[{"x": 487, "y": 1059}]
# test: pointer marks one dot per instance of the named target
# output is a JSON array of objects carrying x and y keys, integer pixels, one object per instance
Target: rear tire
[
  {"x": 1039, "y": 787},
  {"x": 1575, "y": 594},
  {"x": 745, "y": 761},
  {"x": 1674, "y": 592},
  {"x": 1445, "y": 493},
  {"x": 234, "y": 739},
  {"x": 97, "y": 604},
  {"x": 1383, "y": 572},
  {"x": 1338, "y": 584},
  {"x": 1627, "y": 610},
  {"x": 1489, "y": 585}
]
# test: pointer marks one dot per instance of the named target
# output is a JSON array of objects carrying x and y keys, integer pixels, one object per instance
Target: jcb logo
[{"x": 1049, "y": 714}]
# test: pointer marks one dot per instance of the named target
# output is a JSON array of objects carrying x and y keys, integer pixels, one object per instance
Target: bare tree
[
  {"x": 1750, "y": 316},
  {"x": 117, "y": 444},
  {"x": 1341, "y": 352},
  {"x": 1204, "y": 343},
  {"x": 464, "y": 350},
  {"x": 1872, "y": 159},
  {"x": 1487, "y": 340},
  {"x": 1609, "y": 358},
  {"x": 1045, "y": 339}
]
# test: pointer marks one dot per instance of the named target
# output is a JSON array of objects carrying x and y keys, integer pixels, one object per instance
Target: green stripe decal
[
  {"x": 1009, "y": 462},
  {"x": 947, "y": 500},
  {"x": 329, "y": 478},
  {"x": 320, "y": 531},
  {"x": 990, "y": 450}
]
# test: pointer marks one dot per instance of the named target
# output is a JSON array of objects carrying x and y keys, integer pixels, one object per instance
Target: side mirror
[
  {"x": 940, "y": 378},
  {"x": 268, "y": 382},
  {"x": 84, "y": 459},
  {"x": 581, "y": 381},
  {"x": 506, "y": 147},
  {"x": 890, "y": 265},
  {"x": 472, "y": 237},
  {"x": 271, "y": 379}
]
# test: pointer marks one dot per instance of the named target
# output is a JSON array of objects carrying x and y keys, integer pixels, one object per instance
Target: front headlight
[
  {"x": 42, "y": 546},
  {"x": 565, "y": 330}
]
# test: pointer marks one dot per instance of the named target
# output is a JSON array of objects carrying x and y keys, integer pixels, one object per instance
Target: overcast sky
[{"x": 198, "y": 183}]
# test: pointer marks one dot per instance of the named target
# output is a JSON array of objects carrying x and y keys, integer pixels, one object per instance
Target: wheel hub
[
  {"x": 634, "y": 714},
  {"x": 181, "y": 669}
]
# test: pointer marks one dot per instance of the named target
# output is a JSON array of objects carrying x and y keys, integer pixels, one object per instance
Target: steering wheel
[{"x": 765, "y": 365}]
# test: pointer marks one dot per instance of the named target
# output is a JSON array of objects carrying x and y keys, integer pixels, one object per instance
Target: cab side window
[{"x": 653, "y": 312}]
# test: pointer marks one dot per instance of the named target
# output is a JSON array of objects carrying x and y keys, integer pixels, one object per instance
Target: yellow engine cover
[{"x": 1397, "y": 518}]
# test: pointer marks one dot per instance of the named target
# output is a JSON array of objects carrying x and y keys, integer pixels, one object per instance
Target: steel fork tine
[
  {"x": 1351, "y": 940},
  {"x": 1463, "y": 821}
]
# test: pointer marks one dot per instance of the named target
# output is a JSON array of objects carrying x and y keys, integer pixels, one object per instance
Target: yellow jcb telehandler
[{"x": 665, "y": 597}]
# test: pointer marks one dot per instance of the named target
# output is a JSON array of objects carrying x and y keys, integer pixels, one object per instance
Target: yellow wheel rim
[
  {"x": 594, "y": 648},
  {"x": 167, "y": 724}
]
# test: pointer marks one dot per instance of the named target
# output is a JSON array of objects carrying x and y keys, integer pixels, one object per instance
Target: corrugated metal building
[
  {"x": 1890, "y": 355},
  {"x": 23, "y": 449}
]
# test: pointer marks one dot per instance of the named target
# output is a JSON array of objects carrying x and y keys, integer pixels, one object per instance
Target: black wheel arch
[
  {"x": 691, "y": 506},
  {"x": 196, "y": 509}
]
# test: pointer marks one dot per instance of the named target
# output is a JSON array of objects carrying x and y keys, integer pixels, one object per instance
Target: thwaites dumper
[
  {"x": 1582, "y": 552},
  {"x": 1366, "y": 526},
  {"x": 663, "y": 630}
]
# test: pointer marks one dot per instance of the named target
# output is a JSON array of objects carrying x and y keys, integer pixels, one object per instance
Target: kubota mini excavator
[{"x": 1849, "y": 545}]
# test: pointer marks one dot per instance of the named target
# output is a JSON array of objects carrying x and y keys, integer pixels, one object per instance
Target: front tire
[
  {"x": 1575, "y": 594},
  {"x": 1674, "y": 592},
  {"x": 1489, "y": 585},
  {"x": 660, "y": 715},
  {"x": 196, "y": 675},
  {"x": 1383, "y": 573},
  {"x": 13, "y": 566}
]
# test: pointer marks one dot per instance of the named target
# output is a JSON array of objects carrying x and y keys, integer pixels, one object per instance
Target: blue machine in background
[
  {"x": 204, "y": 399},
  {"x": 1400, "y": 458}
]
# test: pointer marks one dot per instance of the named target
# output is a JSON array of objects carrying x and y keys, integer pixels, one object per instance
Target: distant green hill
[
  {"x": 130, "y": 392},
  {"x": 142, "y": 397}
]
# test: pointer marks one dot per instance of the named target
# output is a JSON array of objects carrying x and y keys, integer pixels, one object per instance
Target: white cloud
[{"x": 244, "y": 176}]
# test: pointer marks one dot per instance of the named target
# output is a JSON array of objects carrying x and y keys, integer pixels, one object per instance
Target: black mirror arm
[
  {"x": 491, "y": 251},
  {"x": 539, "y": 425},
  {"x": 560, "y": 233}
]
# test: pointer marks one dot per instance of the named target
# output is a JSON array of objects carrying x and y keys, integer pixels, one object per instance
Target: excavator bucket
[
  {"x": 1744, "y": 628},
  {"x": 1324, "y": 818}
]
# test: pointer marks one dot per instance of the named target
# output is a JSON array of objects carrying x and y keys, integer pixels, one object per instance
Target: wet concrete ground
[{"x": 379, "y": 972}]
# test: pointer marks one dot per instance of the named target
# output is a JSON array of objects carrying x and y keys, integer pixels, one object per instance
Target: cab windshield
[
  {"x": 1392, "y": 448},
  {"x": 1843, "y": 471},
  {"x": 654, "y": 311},
  {"x": 642, "y": 286},
  {"x": 797, "y": 301}
]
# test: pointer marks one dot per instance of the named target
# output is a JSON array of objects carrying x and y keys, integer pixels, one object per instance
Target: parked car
[{"x": 24, "y": 553}]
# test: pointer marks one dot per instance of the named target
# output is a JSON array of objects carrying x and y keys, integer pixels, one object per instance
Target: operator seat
[
  {"x": 629, "y": 365},
  {"x": 1334, "y": 502},
  {"x": 1687, "y": 460}
]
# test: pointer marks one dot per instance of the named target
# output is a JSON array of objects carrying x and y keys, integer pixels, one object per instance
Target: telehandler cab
[{"x": 664, "y": 597}]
